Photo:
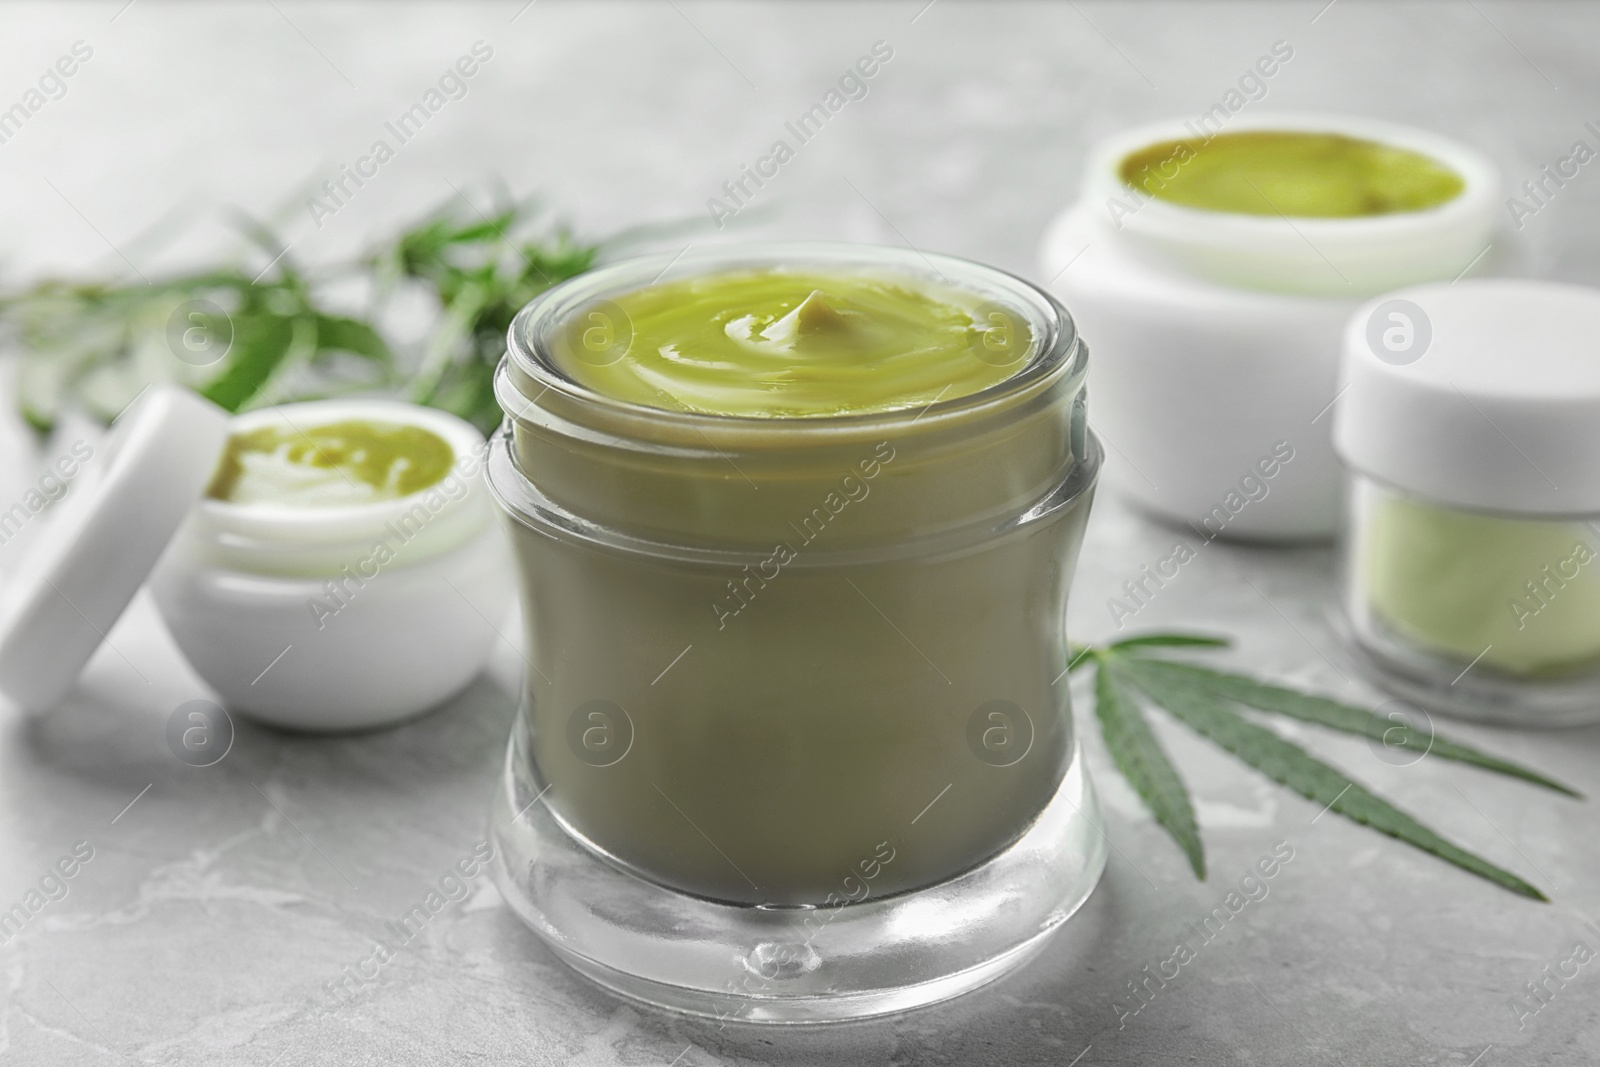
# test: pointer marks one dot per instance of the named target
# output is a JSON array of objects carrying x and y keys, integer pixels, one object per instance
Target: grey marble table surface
[{"x": 218, "y": 902}]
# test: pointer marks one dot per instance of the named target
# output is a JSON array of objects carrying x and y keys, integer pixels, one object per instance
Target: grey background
[{"x": 218, "y": 904}]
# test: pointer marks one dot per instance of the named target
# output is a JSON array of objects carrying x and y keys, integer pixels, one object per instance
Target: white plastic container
[
  {"x": 342, "y": 617},
  {"x": 1216, "y": 334},
  {"x": 1470, "y": 426}
]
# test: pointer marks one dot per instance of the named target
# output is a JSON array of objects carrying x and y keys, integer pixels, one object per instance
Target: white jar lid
[
  {"x": 72, "y": 587},
  {"x": 1481, "y": 394}
]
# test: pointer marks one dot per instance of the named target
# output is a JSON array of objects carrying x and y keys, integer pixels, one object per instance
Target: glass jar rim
[{"x": 1055, "y": 335}]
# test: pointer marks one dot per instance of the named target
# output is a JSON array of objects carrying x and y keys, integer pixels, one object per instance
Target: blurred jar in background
[{"x": 1215, "y": 270}]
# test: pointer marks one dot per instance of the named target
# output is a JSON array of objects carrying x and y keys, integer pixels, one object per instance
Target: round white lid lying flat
[
  {"x": 1483, "y": 394},
  {"x": 72, "y": 587}
]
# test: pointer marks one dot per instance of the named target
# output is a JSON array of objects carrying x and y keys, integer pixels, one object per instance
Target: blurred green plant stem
[{"x": 246, "y": 340}]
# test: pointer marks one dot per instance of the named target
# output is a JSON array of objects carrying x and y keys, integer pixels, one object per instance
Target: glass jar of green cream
[
  {"x": 796, "y": 526},
  {"x": 1470, "y": 427}
]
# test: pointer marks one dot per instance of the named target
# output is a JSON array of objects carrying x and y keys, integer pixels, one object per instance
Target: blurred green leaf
[
  {"x": 94, "y": 344},
  {"x": 260, "y": 346},
  {"x": 338, "y": 334},
  {"x": 1172, "y": 641}
]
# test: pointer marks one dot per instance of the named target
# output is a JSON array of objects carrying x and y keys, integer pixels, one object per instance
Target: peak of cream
[
  {"x": 812, "y": 322},
  {"x": 798, "y": 344}
]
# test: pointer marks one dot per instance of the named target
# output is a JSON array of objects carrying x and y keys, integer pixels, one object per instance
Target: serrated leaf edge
[
  {"x": 1147, "y": 767},
  {"x": 1414, "y": 832},
  {"x": 1235, "y": 687}
]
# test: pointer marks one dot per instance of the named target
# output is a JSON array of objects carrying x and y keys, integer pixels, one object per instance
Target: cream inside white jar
[
  {"x": 352, "y": 461},
  {"x": 345, "y": 569}
]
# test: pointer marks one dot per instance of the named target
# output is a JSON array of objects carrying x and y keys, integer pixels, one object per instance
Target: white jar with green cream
[
  {"x": 1215, "y": 268},
  {"x": 344, "y": 569},
  {"x": 1470, "y": 426}
]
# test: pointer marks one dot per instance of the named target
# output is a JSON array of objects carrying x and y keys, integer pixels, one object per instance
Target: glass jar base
[
  {"x": 794, "y": 964},
  {"x": 1464, "y": 690}
]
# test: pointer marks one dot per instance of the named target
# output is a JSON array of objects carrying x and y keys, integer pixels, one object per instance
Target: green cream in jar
[
  {"x": 341, "y": 463},
  {"x": 1472, "y": 554},
  {"x": 1515, "y": 594},
  {"x": 796, "y": 528},
  {"x": 793, "y": 344},
  {"x": 1298, "y": 173}
]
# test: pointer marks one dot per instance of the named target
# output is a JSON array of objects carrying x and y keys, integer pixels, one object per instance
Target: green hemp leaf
[{"x": 1131, "y": 673}]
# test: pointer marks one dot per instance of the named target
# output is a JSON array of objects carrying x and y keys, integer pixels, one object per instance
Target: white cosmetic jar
[
  {"x": 349, "y": 616},
  {"x": 1217, "y": 334},
  {"x": 1470, "y": 426}
]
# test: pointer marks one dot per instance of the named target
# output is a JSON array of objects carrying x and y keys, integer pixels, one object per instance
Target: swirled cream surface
[
  {"x": 337, "y": 464},
  {"x": 792, "y": 344}
]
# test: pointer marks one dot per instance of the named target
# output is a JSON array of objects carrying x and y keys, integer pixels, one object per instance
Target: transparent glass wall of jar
[{"x": 1475, "y": 613}]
